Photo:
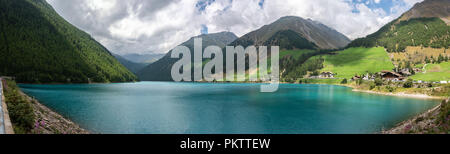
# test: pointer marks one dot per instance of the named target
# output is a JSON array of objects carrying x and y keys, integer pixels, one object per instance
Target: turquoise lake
[{"x": 206, "y": 108}]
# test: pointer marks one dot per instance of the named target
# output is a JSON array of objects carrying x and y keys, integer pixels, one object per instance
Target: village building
[
  {"x": 326, "y": 75},
  {"x": 356, "y": 78},
  {"x": 391, "y": 76},
  {"x": 405, "y": 72},
  {"x": 369, "y": 77},
  {"x": 417, "y": 70}
]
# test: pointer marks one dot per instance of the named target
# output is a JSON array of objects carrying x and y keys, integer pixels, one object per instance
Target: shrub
[
  {"x": 378, "y": 82},
  {"x": 390, "y": 89},
  {"x": 315, "y": 73},
  {"x": 408, "y": 84},
  {"x": 444, "y": 116},
  {"x": 419, "y": 119},
  {"x": 344, "y": 81},
  {"x": 20, "y": 109},
  {"x": 360, "y": 81},
  {"x": 372, "y": 86}
]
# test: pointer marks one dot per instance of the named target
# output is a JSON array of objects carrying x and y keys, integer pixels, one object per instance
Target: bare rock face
[
  {"x": 319, "y": 34},
  {"x": 429, "y": 9}
]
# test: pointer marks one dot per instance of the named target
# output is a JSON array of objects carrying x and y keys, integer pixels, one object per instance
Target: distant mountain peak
[
  {"x": 429, "y": 9},
  {"x": 222, "y": 38},
  {"x": 161, "y": 69},
  {"x": 319, "y": 34}
]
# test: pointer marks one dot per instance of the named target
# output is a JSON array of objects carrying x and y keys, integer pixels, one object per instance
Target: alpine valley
[{"x": 395, "y": 80}]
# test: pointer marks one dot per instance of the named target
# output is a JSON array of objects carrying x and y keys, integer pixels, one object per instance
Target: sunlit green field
[
  {"x": 434, "y": 72},
  {"x": 353, "y": 61}
]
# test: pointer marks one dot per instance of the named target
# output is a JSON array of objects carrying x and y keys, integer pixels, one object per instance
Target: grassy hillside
[
  {"x": 418, "y": 55},
  {"x": 293, "y": 55},
  {"x": 295, "y": 64},
  {"x": 396, "y": 36},
  {"x": 39, "y": 46},
  {"x": 353, "y": 61},
  {"x": 434, "y": 72}
]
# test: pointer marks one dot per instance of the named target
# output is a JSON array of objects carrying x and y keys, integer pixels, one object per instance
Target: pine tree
[{"x": 440, "y": 59}]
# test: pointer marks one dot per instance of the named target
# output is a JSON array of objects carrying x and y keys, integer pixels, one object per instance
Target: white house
[{"x": 326, "y": 75}]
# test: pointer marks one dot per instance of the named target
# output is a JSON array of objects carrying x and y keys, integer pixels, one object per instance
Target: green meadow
[
  {"x": 345, "y": 63},
  {"x": 434, "y": 72},
  {"x": 353, "y": 61}
]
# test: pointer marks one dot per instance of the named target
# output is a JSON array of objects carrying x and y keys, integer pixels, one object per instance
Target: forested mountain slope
[
  {"x": 424, "y": 25},
  {"x": 39, "y": 46}
]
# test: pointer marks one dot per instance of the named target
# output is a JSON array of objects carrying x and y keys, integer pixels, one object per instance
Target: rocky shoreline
[
  {"x": 49, "y": 122},
  {"x": 420, "y": 96},
  {"x": 424, "y": 123}
]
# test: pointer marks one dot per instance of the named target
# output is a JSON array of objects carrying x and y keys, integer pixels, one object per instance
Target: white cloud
[
  {"x": 139, "y": 26},
  {"x": 412, "y": 2}
]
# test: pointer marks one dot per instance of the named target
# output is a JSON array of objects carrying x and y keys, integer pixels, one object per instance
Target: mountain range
[
  {"x": 143, "y": 58},
  {"x": 130, "y": 65},
  {"x": 288, "y": 32},
  {"x": 161, "y": 69}
]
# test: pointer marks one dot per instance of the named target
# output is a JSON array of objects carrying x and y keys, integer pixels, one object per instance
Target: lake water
[{"x": 205, "y": 108}]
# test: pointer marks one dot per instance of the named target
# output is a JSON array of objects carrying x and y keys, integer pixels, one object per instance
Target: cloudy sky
[{"x": 156, "y": 26}]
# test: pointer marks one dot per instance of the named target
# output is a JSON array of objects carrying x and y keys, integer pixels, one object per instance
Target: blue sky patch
[
  {"x": 202, "y": 4},
  {"x": 386, "y": 5},
  {"x": 204, "y": 29},
  {"x": 261, "y": 3}
]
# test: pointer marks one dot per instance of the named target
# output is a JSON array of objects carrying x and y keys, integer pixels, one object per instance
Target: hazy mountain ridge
[
  {"x": 132, "y": 66},
  {"x": 143, "y": 58}
]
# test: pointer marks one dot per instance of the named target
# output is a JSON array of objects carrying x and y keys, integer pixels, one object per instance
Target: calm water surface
[{"x": 204, "y": 108}]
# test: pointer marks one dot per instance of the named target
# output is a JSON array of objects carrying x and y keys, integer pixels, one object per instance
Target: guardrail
[
  {"x": 2, "y": 127},
  {"x": 5, "y": 122}
]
